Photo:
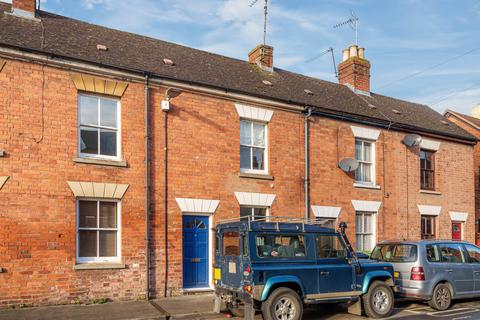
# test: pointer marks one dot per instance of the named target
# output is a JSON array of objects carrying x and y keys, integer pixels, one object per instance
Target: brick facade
[{"x": 38, "y": 210}]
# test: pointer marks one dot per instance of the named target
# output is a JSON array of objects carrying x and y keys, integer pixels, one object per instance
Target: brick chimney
[
  {"x": 262, "y": 56},
  {"x": 354, "y": 71},
  {"x": 476, "y": 112},
  {"x": 24, "y": 8}
]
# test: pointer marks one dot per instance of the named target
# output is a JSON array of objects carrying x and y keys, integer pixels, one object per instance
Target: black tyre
[
  {"x": 236, "y": 310},
  {"x": 283, "y": 304},
  {"x": 441, "y": 298},
  {"x": 378, "y": 301}
]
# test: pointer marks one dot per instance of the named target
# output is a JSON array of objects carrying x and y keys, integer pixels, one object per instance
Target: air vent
[
  {"x": 396, "y": 111},
  {"x": 102, "y": 47},
  {"x": 267, "y": 83},
  {"x": 309, "y": 92},
  {"x": 371, "y": 106},
  {"x": 168, "y": 62}
]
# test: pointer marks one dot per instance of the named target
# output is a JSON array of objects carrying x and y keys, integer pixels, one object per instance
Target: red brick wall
[
  {"x": 355, "y": 72},
  {"x": 476, "y": 155},
  {"x": 37, "y": 209}
]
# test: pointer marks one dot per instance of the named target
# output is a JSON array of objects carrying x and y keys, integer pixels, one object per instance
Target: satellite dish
[
  {"x": 412, "y": 140},
  {"x": 348, "y": 164}
]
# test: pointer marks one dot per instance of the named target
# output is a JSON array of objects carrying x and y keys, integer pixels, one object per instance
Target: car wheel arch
[
  {"x": 383, "y": 276},
  {"x": 450, "y": 286},
  {"x": 294, "y": 285}
]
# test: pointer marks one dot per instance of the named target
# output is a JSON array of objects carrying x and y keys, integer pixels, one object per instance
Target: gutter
[{"x": 137, "y": 76}]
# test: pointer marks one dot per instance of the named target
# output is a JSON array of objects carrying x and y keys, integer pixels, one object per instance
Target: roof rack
[{"x": 277, "y": 220}]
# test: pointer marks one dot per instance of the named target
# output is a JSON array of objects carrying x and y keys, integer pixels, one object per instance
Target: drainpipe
[
  {"x": 147, "y": 185},
  {"x": 307, "y": 162},
  {"x": 165, "y": 136}
]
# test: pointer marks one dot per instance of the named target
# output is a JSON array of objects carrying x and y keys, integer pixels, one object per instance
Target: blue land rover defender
[{"x": 278, "y": 267}]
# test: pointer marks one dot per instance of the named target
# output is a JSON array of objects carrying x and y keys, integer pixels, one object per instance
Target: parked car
[
  {"x": 278, "y": 267},
  {"x": 436, "y": 271}
]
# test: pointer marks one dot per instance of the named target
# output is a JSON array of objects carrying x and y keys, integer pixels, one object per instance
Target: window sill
[
  {"x": 366, "y": 186},
  {"x": 430, "y": 192},
  {"x": 99, "y": 266},
  {"x": 101, "y": 162},
  {"x": 261, "y": 176}
]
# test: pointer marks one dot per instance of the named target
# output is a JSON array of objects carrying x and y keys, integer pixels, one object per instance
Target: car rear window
[
  {"x": 395, "y": 253},
  {"x": 231, "y": 243},
  {"x": 280, "y": 246}
]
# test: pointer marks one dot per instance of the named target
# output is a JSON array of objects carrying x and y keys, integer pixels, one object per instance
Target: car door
[
  {"x": 474, "y": 260},
  {"x": 456, "y": 268},
  {"x": 335, "y": 272}
]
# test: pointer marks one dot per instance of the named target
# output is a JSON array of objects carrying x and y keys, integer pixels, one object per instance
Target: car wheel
[
  {"x": 283, "y": 304},
  {"x": 235, "y": 310},
  {"x": 378, "y": 301},
  {"x": 441, "y": 298}
]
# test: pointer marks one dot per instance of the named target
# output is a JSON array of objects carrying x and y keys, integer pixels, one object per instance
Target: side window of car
[
  {"x": 433, "y": 253},
  {"x": 280, "y": 246},
  {"x": 473, "y": 253},
  {"x": 329, "y": 246},
  {"x": 451, "y": 253}
]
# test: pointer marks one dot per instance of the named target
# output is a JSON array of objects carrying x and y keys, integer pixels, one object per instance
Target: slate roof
[
  {"x": 69, "y": 38},
  {"x": 472, "y": 120}
]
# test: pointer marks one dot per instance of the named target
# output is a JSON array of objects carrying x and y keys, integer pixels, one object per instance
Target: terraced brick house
[{"x": 119, "y": 153}]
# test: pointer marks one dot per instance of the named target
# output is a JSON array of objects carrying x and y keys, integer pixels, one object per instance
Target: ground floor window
[
  {"x": 255, "y": 213},
  {"x": 98, "y": 231},
  {"x": 365, "y": 230},
  {"x": 427, "y": 227}
]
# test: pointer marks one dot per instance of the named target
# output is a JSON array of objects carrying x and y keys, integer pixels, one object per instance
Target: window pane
[
  {"x": 231, "y": 243},
  {"x": 367, "y": 172},
  {"x": 89, "y": 140},
  {"x": 358, "y": 149},
  {"x": 108, "y": 142},
  {"x": 87, "y": 243},
  {"x": 88, "y": 110},
  {"x": 245, "y": 132},
  {"x": 280, "y": 246},
  {"x": 245, "y": 158},
  {"x": 108, "y": 243},
  {"x": 367, "y": 245},
  {"x": 257, "y": 158},
  {"x": 433, "y": 254},
  {"x": 330, "y": 247},
  {"x": 368, "y": 223},
  {"x": 451, "y": 253},
  {"x": 473, "y": 253},
  {"x": 245, "y": 212},
  {"x": 259, "y": 134},
  {"x": 108, "y": 113},
  {"x": 359, "y": 224},
  {"x": 87, "y": 214},
  {"x": 367, "y": 151},
  {"x": 108, "y": 215},
  {"x": 260, "y": 212},
  {"x": 359, "y": 243}
]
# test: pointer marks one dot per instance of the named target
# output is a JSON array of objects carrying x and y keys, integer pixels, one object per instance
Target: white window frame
[
  {"x": 373, "y": 161},
  {"x": 265, "y": 148},
  {"x": 118, "y": 258},
  {"x": 373, "y": 228},
  {"x": 118, "y": 157},
  {"x": 267, "y": 212}
]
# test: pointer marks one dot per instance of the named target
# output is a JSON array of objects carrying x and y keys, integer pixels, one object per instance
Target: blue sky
[{"x": 401, "y": 37}]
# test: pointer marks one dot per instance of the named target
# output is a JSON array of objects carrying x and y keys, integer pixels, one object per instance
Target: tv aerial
[
  {"x": 352, "y": 23},
  {"x": 265, "y": 13},
  {"x": 321, "y": 55}
]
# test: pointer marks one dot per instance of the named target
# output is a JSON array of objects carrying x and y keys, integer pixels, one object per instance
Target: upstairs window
[
  {"x": 99, "y": 127},
  {"x": 427, "y": 170},
  {"x": 364, "y": 154},
  {"x": 253, "y": 147}
]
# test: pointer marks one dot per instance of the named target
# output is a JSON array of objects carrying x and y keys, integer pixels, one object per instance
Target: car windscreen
[{"x": 395, "y": 253}]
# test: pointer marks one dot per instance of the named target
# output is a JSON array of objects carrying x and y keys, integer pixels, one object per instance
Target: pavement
[{"x": 199, "y": 307}]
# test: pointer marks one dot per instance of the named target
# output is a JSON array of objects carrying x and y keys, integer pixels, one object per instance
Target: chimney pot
[
  {"x": 354, "y": 71},
  {"x": 24, "y": 8},
  {"x": 262, "y": 56}
]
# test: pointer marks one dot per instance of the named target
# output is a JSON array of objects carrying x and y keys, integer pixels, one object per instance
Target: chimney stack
[
  {"x": 24, "y": 8},
  {"x": 354, "y": 71},
  {"x": 262, "y": 56}
]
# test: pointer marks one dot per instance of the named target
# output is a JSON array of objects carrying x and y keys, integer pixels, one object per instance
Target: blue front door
[{"x": 195, "y": 252}]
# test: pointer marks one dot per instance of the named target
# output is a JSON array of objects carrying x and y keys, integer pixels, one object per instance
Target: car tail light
[
  {"x": 247, "y": 271},
  {"x": 248, "y": 289},
  {"x": 417, "y": 274}
]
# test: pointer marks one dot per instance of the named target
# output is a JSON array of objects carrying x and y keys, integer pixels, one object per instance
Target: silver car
[{"x": 436, "y": 271}]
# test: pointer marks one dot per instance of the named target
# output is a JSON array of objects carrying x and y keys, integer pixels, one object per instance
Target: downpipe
[
  {"x": 308, "y": 114},
  {"x": 147, "y": 185}
]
